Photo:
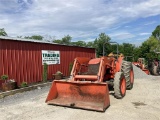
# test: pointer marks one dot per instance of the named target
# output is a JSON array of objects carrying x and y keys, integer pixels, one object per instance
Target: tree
[
  {"x": 90, "y": 44},
  {"x": 66, "y": 40},
  {"x": 79, "y": 43},
  {"x": 98, "y": 43},
  {"x": 35, "y": 37},
  {"x": 48, "y": 38},
  {"x": 127, "y": 49},
  {"x": 156, "y": 32},
  {"x": 136, "y": 53},
  {"x": 149, "y": 47},
  {"x": 3, "y": 32},
  {"x": 57, "y": 41},
  {"x": 19, "y": 36}
]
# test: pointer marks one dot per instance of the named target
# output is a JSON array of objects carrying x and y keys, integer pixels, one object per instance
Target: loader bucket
[
  {"x": 146, "y": 71},
  {"x": 84, "y": 95}
]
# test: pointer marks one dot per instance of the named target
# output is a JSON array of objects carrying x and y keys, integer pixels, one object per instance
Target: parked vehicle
[
  {"x": 154, "y": 65},
  {"x": 142, "y": 65},
  {"x": 88, "y": 86}
]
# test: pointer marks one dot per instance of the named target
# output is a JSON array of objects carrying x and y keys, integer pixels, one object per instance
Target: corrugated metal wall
[{"x": 22, "y": 60}]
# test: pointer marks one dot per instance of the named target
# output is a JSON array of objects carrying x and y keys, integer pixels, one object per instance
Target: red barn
[{"x": 21, "y": 59}]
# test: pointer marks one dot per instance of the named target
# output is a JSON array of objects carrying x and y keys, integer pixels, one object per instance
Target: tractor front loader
[{"x": 87, "y": 87}]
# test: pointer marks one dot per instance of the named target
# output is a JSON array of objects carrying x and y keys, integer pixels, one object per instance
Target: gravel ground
[{"x": 140, "y": 103}]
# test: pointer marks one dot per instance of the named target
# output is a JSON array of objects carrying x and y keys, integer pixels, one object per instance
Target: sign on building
[{"x": 50, "y": 57}]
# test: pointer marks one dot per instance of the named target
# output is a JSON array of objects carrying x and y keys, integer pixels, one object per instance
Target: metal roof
[{"x": 33, "y": 40}]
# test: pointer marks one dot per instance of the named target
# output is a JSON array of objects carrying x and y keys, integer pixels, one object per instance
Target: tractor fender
[{"x": 119, "y": 64}]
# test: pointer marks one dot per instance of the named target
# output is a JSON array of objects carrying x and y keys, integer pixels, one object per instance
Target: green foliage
[
  {"x": 90, "y": 44},
  {"x": 24, "y": 84},
  {"x": 35, "y": 37},
  {"x": 57, "y": 41},
  {"x": 4, "y": 77},
  {"x": 45, "y": 72},
  {"x": 79, "y": 43},
  {"x": 149, "y": 47},
  {"x": 3, "y": 32},
  {"x": 136, "y": 53},
  {"x": 70, "y": 67},
  {"x": 66, "y": 40},
  {"x": 127, "y": 50},
  {"x": 156, "y": 32},
  {"x": 98, "y": 43}
]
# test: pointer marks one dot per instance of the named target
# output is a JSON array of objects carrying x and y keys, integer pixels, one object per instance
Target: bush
[
  {"x": 4, "y": 77},
  {"x": 59, "y": 73},
  {"x": 70, "y": 67},
  {"x": 45, "y": 66},
  {"x": 24, "y": 84}
]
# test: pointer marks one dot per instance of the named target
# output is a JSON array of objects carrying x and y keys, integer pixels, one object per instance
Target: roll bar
[{"x": 110, "y": 43}]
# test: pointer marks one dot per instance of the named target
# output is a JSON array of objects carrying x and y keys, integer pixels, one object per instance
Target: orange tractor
[
  {"x": 154, "y": 65},
  {"x": 87, "y": 87},
  {"x": 141, "y": 64}
]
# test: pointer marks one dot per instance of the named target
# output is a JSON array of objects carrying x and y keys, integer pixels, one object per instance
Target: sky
[{"x": 124, "y": 21}]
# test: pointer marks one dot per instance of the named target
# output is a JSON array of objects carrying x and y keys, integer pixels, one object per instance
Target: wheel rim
[
  {"x": 123, "y": 86},
  {"x": 131, "y": 76}
]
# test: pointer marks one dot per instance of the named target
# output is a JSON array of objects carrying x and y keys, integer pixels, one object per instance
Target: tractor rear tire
[
  {"x": 119, "y": 85},
  {"x": 127, "y": 69},
  {"x": 154, "y": 69}
]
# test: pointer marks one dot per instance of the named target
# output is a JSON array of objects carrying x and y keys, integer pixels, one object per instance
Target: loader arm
[
  {"x": 77, "y": 66},
  {"x": 85, "y": 89},
  {"x": 95, "y": 70}
]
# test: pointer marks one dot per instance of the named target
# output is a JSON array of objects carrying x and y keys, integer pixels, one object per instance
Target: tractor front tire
[
  {"x": 127, "y": 69},
  {"x": 119, "y": 85}
]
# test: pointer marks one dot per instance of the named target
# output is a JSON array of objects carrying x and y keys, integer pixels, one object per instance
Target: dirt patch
[{"x": 139, "y": 104}]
